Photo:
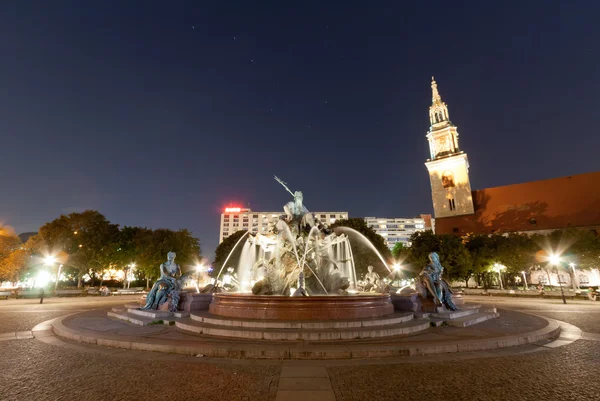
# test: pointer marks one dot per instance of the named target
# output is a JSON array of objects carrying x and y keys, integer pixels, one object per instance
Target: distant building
[
  {"x": 235, "y": 219},
  {"x": 537, "y": 206},
  {"x": 25, "y": 236},
  {"x": 399, "y": 229},
  {"x": 532, "y": 207}
]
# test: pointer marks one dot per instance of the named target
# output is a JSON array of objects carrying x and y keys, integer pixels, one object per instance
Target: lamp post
[
  {"x": 199, "y": 270},
  {"x": 129, "y": 272},
  {"x": 555, "y": 260},
  {"x": 396, "y": 268},
  {"x": 48, "y": 261},
  {"x": 498, "y": 267},
  {"x": 524, "y": 280},
  {"x": 575, "y": 282}
]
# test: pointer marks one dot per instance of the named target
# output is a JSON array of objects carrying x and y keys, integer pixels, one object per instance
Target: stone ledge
[
  {"x": 327, "y": 334},
  {"x": 346, "y": 350},
  {"x": 396, "y": 318}
]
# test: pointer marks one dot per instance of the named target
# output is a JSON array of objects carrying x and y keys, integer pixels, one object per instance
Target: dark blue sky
[{"x": 161, "y": 113}]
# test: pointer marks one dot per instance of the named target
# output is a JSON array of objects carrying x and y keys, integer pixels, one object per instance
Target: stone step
[
  {"x": 470, "y": 320},
  {"x": 155, "y": 314},
  {"x": 208, "y": 318},
  {"x": 135, "y": 319},
  {"x": 470, "y": 306},
  {"x": 325, "y": 334},
  {"x": 449, "y": 315}
]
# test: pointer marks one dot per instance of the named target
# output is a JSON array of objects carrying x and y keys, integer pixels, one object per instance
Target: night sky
[{"x": 161, "y": 113}]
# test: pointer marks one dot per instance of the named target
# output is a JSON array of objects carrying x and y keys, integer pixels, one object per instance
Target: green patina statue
[
  {"x": 431, "y": 279},
  {"x": 170, "y": 283}
]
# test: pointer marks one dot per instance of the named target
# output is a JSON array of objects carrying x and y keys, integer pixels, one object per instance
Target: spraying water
[
  {"x": 366, "y": 241},
  {"x": 271, "y": 261},
  {"x": 231, "y": 253}
]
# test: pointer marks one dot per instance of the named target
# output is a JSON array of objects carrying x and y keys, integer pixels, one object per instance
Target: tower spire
[
  {"x": 438, "y": 111},
  {"x": 435, "y": 95}
]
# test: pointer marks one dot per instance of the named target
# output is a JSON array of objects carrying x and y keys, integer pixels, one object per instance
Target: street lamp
[
  {"x": 524, "y": 280},
  {"x": 50, "y": 261},
  {"x": 498, "y": 268},
  {"x": 575, "y": 282},
  {"x": 199, "y": 270},
  {"x": 555, "y": 260},
  {"x": 129, "y": 275},
  {"x": 396, "y": 267}
]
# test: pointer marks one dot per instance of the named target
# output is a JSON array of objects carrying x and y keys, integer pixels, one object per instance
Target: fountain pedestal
[
  {"x": 272, "y": 307},
  {"x": 188, "y": 302}
]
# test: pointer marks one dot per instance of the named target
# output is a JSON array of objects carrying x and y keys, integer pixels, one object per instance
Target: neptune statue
[
  {"x": 170, "y": 283},
  {"x": 295, "y": 210}
]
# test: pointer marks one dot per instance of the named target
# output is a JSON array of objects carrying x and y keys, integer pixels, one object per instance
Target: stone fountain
[{"x": 299, "y": 252}]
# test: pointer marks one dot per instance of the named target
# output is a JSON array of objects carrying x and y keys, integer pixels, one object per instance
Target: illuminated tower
[{"x": 448, "y": 166}]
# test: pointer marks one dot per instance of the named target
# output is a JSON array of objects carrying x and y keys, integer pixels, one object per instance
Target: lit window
[{"x": 447, "y": 179}]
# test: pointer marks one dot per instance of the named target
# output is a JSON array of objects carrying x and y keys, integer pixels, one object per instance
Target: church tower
[{"x": 448, "y": 166}]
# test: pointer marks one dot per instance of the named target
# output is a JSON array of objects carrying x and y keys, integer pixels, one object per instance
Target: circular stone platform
[
  {"x": 508, "y": 330},
  {"x": 270, "y": 307}
]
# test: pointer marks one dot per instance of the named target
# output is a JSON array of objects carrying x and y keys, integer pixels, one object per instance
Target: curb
[{"x": 322, "y": 351}]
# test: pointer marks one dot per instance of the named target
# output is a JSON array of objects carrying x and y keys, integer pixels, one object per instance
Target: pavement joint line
[
  {"x": 590, "y": 336},
  {"x": 16, "y": 335}
]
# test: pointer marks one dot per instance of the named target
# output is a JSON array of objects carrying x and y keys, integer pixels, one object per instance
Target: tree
[
  {"x": 9, "y": 244},
  {"x": 153, "y": 246},
  {"x": 581, "y": 247},
  {"x": 364, "y": 255},
  {"x": 516, "y": 252},
  {"x": 400, "y": 251},
  {"x": 423, "y": 242},
  {"x": 482, "y": 248},
  {"x": 88, "y": 239},
  {"x": 575, "y": 247},
  {"x": 19, "y": 260},
  {"x": 455, "y": 257},
  {"x": 224, "y": 249}
]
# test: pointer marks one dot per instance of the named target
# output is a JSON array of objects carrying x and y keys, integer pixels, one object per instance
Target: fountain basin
[{"x": 273, "y": 307}]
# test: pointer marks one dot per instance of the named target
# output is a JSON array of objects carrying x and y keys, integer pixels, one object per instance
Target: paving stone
[
  {"x": 305, "y": 396},
  {"x": 304, "y": 383},
  {"x": 21, "y": 335},
  {"x": 304, "y": 371}
]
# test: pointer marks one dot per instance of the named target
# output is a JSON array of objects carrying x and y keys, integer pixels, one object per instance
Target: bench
[
  {"x": 92, "y": 291},
  {"x": 35, "y": 293},
  {"x": 125, "y": 291},
  {"x": 63, "y": 293},
  {"x": 5, "y": 294}
]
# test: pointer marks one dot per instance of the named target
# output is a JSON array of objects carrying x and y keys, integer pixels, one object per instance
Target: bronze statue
[
  {"x": 430, "y": 282},
  {"x": 169, "y": 283}
]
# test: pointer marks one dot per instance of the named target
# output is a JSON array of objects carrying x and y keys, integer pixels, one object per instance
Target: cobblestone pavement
[
  {"x": 583, "y": 314},
  {"x": 32, "y": 370},
  {"x": 58, "y": 370},
  {"x": 566, "y": 373},
  {"x": 23, "y": 314},
  {"x": 571, "y": 372}
]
